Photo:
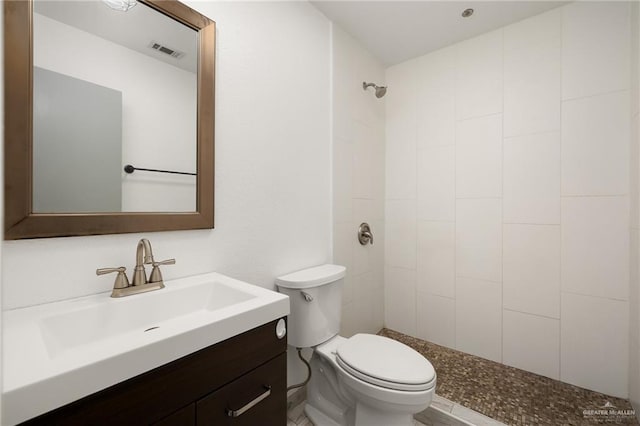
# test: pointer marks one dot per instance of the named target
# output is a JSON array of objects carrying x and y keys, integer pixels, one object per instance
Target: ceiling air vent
[{"x": 166, "y": 50}]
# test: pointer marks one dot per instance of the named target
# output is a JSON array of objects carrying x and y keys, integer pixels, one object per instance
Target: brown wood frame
[{"x": 20, "y": 221}]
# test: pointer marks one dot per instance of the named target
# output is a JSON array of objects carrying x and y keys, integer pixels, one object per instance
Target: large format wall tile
[
  {"x": 594, "y": 353},
  {"x": 479, "y": 157},
  {"x": 595, "y": 48},
  {"x": 400, "y": 235},
  {"x": 532, "y": 77},
  {"x": 531, "y": 179},
  {"x": 342, "y": 183},
  {"x": 436, "y": 319},
  {"x": 367, "y": 165},
  {"x": 436, "y": 258},
  {"x": 437, "y": 183},
  {"x": 531, "y": 343},
  {"x": 531, "y": 269},
  {"x": 400, "y": 300},
  {"x": 595, "y": 145},
  {"x": 479, "y": 318},
  {"x": 436, "y": 99},
  {"x": 343, "y": 255},
  {"x": 401, "y": 116},
  {"x": 595, "y": 246},
  {"x": 479, "y": 239},
  {"x": 479, "y": 76}
]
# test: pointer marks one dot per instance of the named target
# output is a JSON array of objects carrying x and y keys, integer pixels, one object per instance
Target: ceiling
[
  {"x": 134, "y": 29},
  {"x": 395, "y": 31}
]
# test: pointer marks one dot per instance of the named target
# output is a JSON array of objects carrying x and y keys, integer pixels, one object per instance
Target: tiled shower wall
[
  {"x": 507, "y": 195},
  {"x": 634, "y": 293},
  {"x": 358, "y": 182}
]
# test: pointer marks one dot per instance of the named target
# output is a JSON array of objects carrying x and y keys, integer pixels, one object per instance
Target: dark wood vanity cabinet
[
  {"x": 203, "y": 388},
  {"x": 269, "y": 400},
  {"x": 184, "y": 416}
]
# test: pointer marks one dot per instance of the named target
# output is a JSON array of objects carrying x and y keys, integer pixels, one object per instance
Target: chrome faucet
[{"x": 144, "y": 255}]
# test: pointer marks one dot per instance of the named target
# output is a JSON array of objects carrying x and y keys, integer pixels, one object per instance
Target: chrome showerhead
[{"x": 380, "y": 90}]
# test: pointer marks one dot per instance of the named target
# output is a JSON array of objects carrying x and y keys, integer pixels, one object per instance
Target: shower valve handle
[{"x": 365, "y": 236}]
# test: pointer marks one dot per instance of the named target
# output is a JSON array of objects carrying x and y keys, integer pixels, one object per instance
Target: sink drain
[{"x": 151, "y": 328}]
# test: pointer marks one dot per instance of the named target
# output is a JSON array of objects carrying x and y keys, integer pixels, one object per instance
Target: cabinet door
[
  {"x": 183, "y": 417},
  {"x": 257, "y": 398}
]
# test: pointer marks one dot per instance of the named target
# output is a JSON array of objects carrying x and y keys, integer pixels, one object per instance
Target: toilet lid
[{"x": 385, "y": 362}]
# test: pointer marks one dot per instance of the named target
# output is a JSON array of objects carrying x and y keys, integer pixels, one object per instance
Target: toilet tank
[{"x": 315, "y": 299}]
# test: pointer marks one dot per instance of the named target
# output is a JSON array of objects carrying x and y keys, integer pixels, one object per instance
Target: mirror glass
[{"x": 113, "y": 90}]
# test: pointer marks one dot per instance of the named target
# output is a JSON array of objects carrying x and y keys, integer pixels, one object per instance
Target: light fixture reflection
[
  {"x": 122, "y": 5},
  {"x": 467, "y": 12}
]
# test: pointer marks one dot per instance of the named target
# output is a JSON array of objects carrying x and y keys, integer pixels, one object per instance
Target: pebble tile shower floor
[{"x": 510, "y": 395}]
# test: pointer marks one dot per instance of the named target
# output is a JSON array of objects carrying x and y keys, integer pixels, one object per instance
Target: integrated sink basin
[
  {"x": 106, "y": 321},
  {"x": 59, "y": 352}
]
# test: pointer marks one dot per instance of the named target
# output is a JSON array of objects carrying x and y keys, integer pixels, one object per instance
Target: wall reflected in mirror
[{"x": 112, "y": 88}]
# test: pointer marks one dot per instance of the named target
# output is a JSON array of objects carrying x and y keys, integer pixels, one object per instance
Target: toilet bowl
[
  {"x": 368, "y": 380},
  {"x": 362, "y": 380}
]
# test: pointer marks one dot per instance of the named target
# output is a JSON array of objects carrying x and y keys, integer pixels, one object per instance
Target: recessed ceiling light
[{"x": 467, "y": 12}]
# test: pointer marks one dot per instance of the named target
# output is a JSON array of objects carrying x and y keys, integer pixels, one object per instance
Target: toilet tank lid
[{"x": 312, "y": 277}]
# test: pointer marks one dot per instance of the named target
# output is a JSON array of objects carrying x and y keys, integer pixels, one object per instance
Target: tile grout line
[
  {"x": 476, "y": 117},
  {"x": 532, "y": 314},
  {"x": 595, "y": 297},
  {"x": 531, "y": 133},
  {"x": 455, "y": 197},
  {"x": 415, "y": 206},
  {"x": 502, "y": 218},
  {"x": 559, "y": 356},
  {"x": 593, "y": 95},
  {"x": 416, "y": 66}
]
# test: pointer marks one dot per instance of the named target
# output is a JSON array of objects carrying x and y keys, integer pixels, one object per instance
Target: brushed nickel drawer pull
[{"x": 250, "y": 405}]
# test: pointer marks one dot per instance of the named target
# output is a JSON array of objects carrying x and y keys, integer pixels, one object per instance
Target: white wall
[
  {"x": 358, "y": 182},
  {"x": 507, "y": 193},
  {"x": 634, "y": 159},
  {"x": 272, "y": 168},
  {"x": 159, "y": 110}
]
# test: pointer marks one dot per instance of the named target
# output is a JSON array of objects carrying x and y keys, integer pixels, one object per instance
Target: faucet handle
[
  {"x": 121, "y": 279},
  {"x": 156, "y": 275}
]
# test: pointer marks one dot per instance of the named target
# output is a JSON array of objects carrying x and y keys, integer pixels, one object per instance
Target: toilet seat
[{"x": 386, "y": 363}]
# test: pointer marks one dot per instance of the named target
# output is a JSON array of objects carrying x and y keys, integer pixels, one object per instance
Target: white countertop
[{"x": 45, "y": 366}]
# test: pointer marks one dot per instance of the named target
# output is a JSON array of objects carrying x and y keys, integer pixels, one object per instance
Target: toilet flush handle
[{"x": 306, "y": 296}]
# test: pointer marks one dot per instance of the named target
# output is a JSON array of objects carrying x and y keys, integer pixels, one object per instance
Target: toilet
[{"x": 361, "y": 380}]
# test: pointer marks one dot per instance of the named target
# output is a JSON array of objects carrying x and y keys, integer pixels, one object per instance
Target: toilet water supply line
[{"x": 299, "y": 385}]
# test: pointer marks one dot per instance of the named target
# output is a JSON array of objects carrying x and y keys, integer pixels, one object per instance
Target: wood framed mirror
[{"x": 35, "y": 205}]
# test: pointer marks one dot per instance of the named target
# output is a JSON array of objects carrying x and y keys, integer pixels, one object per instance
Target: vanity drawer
[
  {"x": 257, "y": 398},
  {"x": 183, "y": 417}
]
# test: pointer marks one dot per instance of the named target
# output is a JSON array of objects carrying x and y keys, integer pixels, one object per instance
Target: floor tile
[{"x": 506, "y": 394}]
